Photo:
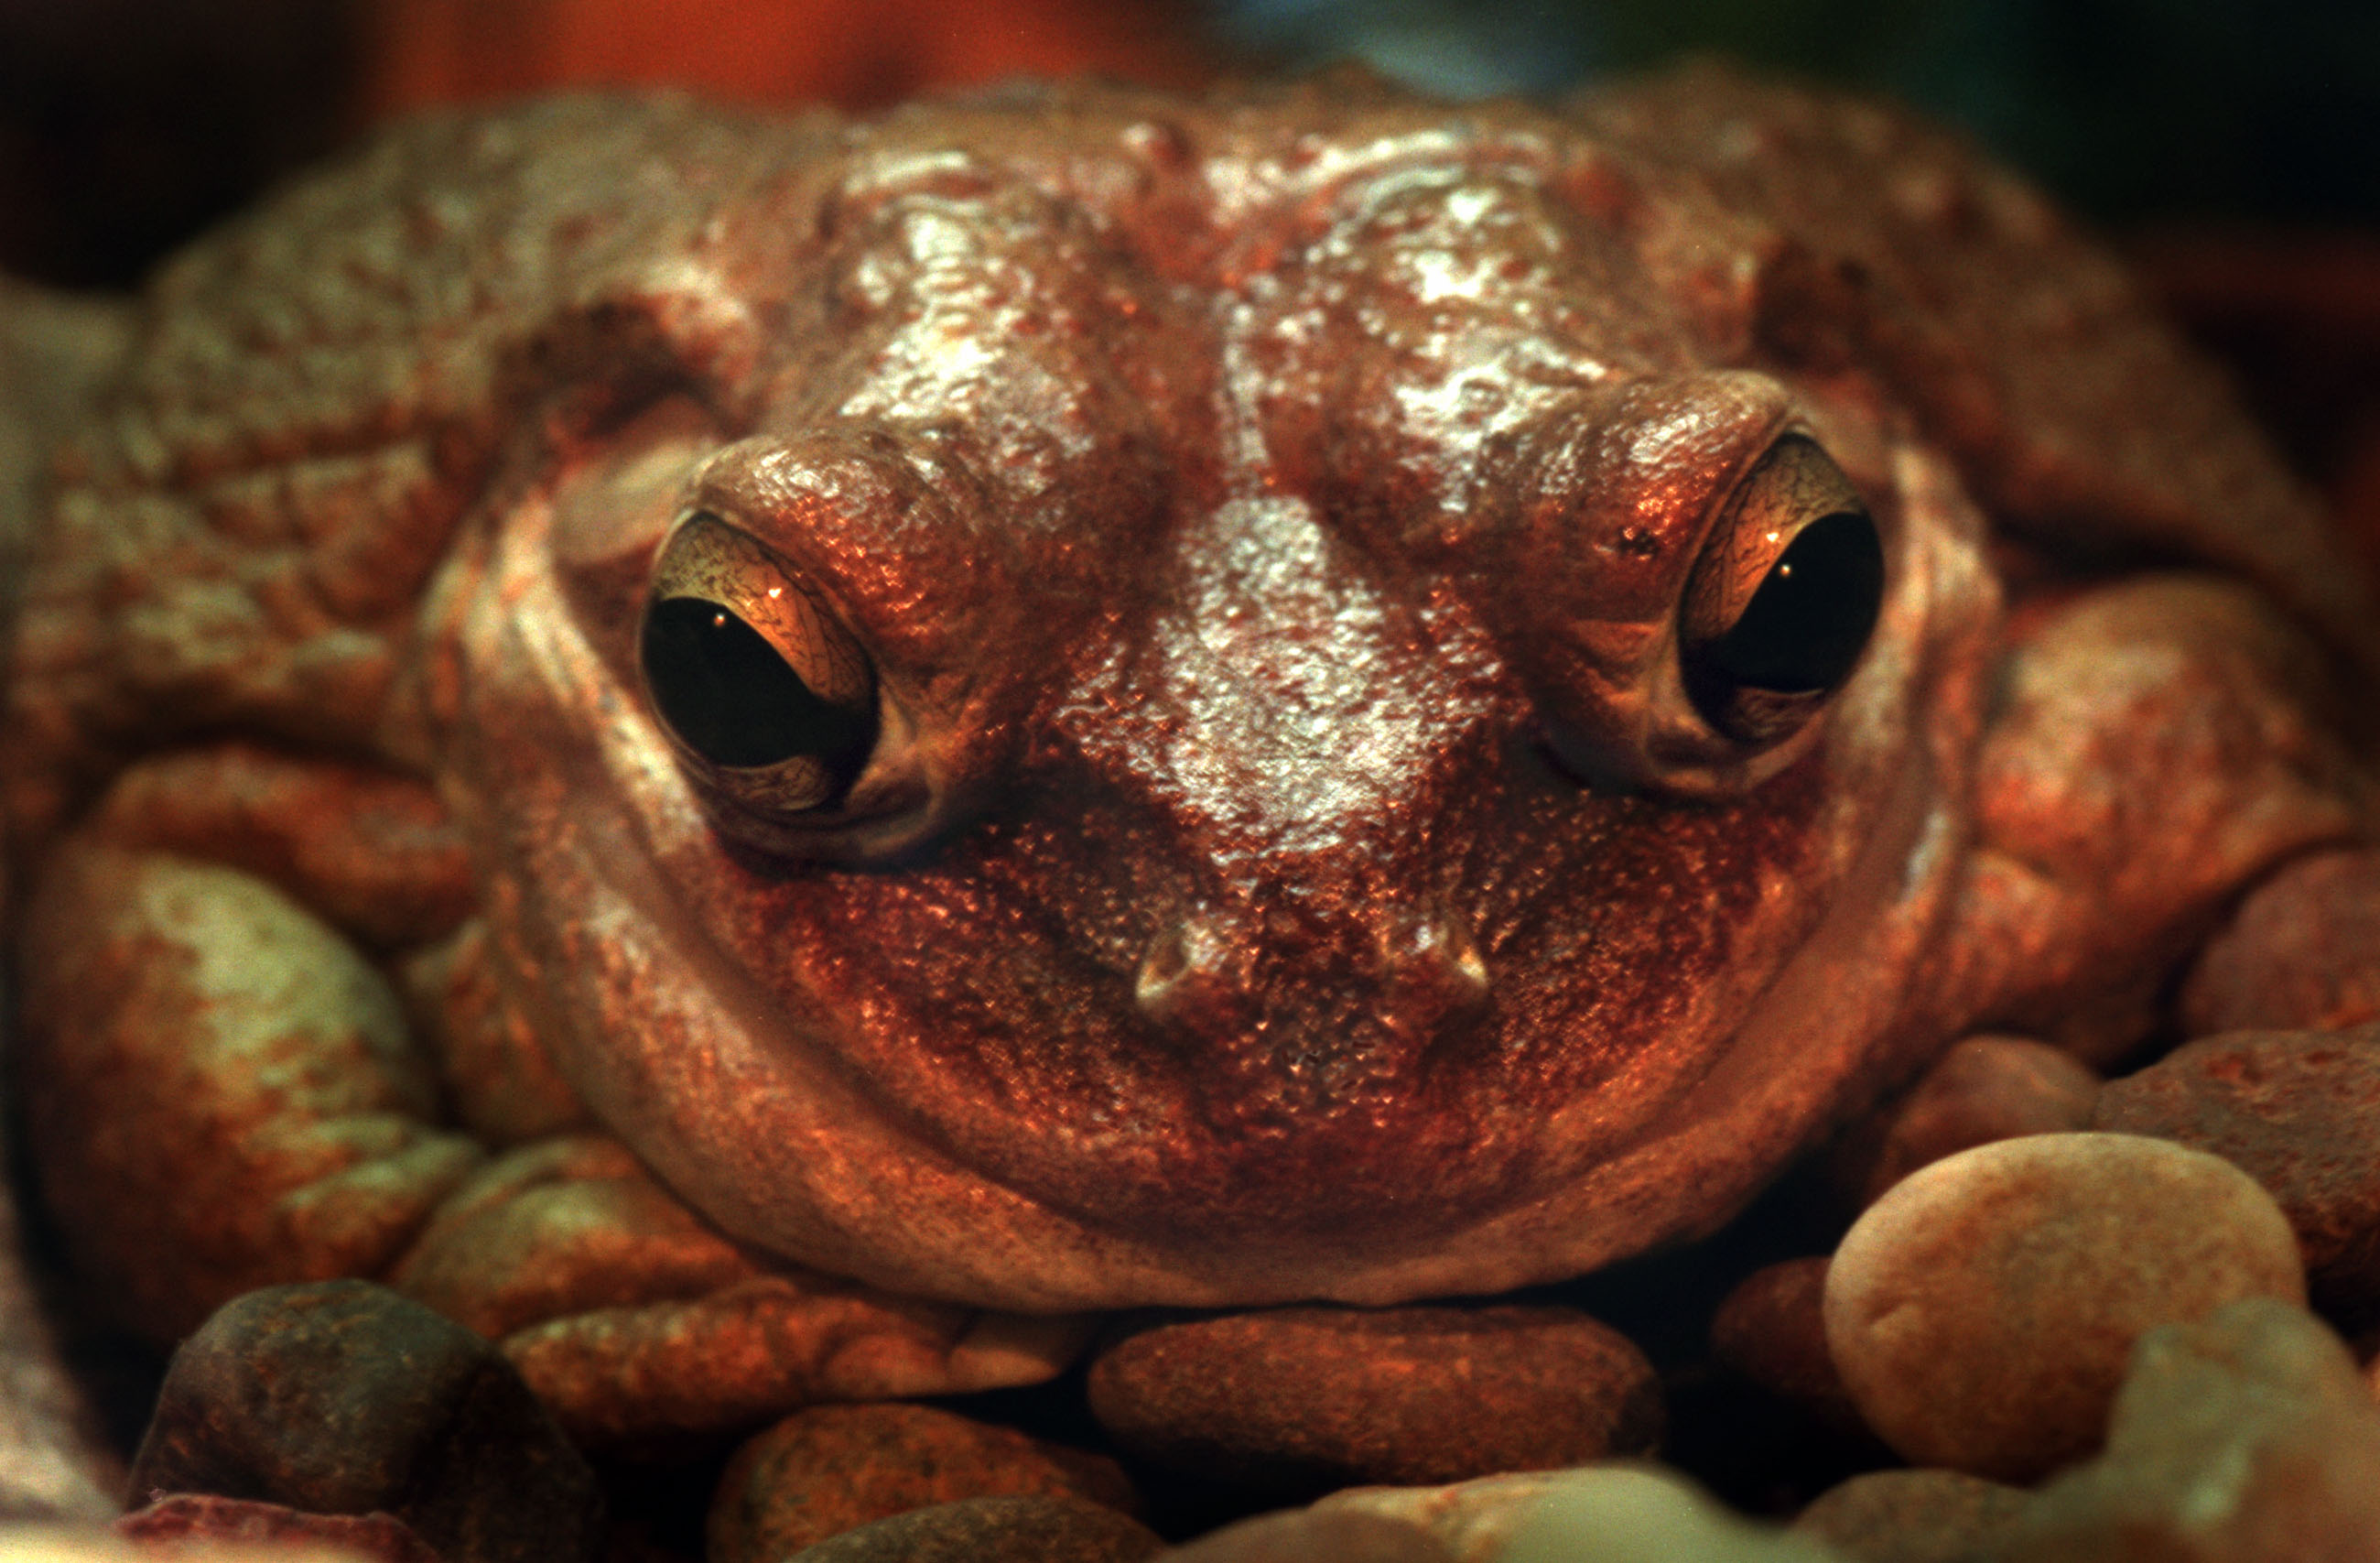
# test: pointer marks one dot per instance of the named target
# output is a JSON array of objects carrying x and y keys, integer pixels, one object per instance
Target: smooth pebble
[
  {"x": 1002, "y": 1529},
  {"x": 2297, "y": 1111},
  {"x": 830, "y": 1468},
  {"x": 1772, "y": 1329},
  {"x": 1984, "y": 1089},
  {"x": 1982, "y": 1312},
  {"x": 342, "y": 1397},
  {"x": 1302, "y": 1399},
  {"x": 1911, "y": 1516},
  {"x": 2301, "y": 952}
]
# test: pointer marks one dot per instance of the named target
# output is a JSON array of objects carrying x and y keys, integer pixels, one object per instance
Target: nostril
[
  {"x": 1185, "y": 977},
  {"x": 1435, "y": 942},
  {"x": 1216, "y": 975},
  {"x": 1162, "y": 966},
  {"x": 1431, "y": 968}
]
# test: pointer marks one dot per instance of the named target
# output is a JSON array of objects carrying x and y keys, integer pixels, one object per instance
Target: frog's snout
[{"x": 1411, "y": 975}]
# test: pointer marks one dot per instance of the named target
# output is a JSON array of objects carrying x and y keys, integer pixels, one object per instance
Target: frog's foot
[
  {"x": 636, "y": 1321},
  {"x": 221, "y": 1091}
]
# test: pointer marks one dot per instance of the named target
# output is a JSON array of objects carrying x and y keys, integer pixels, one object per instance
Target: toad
[{"x": 776, "y": 758}]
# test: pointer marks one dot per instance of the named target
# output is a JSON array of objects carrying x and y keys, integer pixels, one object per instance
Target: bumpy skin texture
[{"x": 1291, "y": 865}]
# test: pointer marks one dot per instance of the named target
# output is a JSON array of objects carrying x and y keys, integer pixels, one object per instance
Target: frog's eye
[
  {"x": 751, "y": 675},
  {"x": 1784, "y": 597}
]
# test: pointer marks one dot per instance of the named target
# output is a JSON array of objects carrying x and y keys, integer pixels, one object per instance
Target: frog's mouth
[
  {"x": 1518, "y": 1145},
  {"x": 770, "y": 1136}
]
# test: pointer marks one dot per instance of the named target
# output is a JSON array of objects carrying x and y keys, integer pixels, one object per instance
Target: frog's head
[{"x": 1346, "y": 755}]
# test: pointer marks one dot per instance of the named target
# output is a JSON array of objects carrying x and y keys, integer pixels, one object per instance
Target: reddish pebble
[
  {"x": 1305, "y": 1398},
  {"x": 1911, "y": 1516},
  {"x": 1010, "y": 1529},
  {"x": 1981, "y": 1313},
  {"x": 2303, "y": 953},
  {"x": 1985, "y": 1089},
  {"x": 1772, "y": 1329},
  {"x": 831, "y": 1468},
  {"x": 2299, "y": 1113},
  {"x": 195, "y": 1517}
]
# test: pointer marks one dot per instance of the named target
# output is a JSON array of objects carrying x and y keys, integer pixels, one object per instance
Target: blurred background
[{"x": 2232, "y": 146}]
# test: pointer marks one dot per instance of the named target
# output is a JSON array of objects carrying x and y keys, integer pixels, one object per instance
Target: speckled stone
[
  {"x": 1982, "y": 1312},
  {"x": 1307, "y": 1399},
  {"x": 2299, "y": 1113},
  {"x": 1772, "y": 1329},
  {"x": 342, "y": 1397},
  {"x": 2302, "y": 952},
  {"x": 830, "y": 1468},
  {"x": 1314, "y": 1536},
  {"x": 194, "y": 1518},
  {"x": 1002, "y": 1529},
  {"x": 1985, "y": 1088},
  {"x": 2247, "y": 1437},
  {"x": 1911, "y": 1516}
]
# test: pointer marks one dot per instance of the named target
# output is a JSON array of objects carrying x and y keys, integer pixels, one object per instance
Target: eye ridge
[{"x": 733, "y": 699}]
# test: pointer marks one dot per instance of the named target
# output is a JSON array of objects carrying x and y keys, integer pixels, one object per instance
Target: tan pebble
[
  {"x": 830, "y": 1468},
  {"x": 2247, "y": 1437},
  {"x": 2297, "y": 1111},
  {"x": 1982, "y": 1312},
  {"x": 1772, "y": 1329},
  {"x": 1474, "y": 1519},
  {"x": 1307, "y": 1399},
  {"x": 69, "y": 1544},
  {"x": 2301, "y": 952},
  {"x": 1615, "y": 1513},
  {"x": 1008, "y": 1530},
  {"x": 1911, "y": 1516},
  {"x": 1625, "y": 1515},
  {"x": 1313, "y": 1536},
  {"x": 1985, "y": 1089}
]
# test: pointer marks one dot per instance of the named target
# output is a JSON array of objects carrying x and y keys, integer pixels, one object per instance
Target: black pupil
[
  {"x": 1812, "y": 614},
  {"x": 732, "y": 699}
]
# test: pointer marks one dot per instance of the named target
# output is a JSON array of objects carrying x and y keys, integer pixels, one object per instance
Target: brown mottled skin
[{"x": 1289, "y": 863}]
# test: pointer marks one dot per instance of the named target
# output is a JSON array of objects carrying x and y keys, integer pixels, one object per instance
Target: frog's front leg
[
  {"x": 220, "y": 1090},
  {"x": 2157, "y": 749},
  {"x": 632, "y": 1318},
  {"x": 226, "y": 1094}
]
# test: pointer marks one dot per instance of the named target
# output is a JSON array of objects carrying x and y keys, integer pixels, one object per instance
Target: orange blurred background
[
  {"x": 419, "y": 51},
  {"x": 126, "y": 125}
]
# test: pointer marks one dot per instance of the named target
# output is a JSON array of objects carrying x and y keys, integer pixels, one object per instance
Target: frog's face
[{"x": 1332, "y": 758}]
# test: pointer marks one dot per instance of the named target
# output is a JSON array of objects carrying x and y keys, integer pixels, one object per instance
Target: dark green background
[{"x": 2132, "y": 109}]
